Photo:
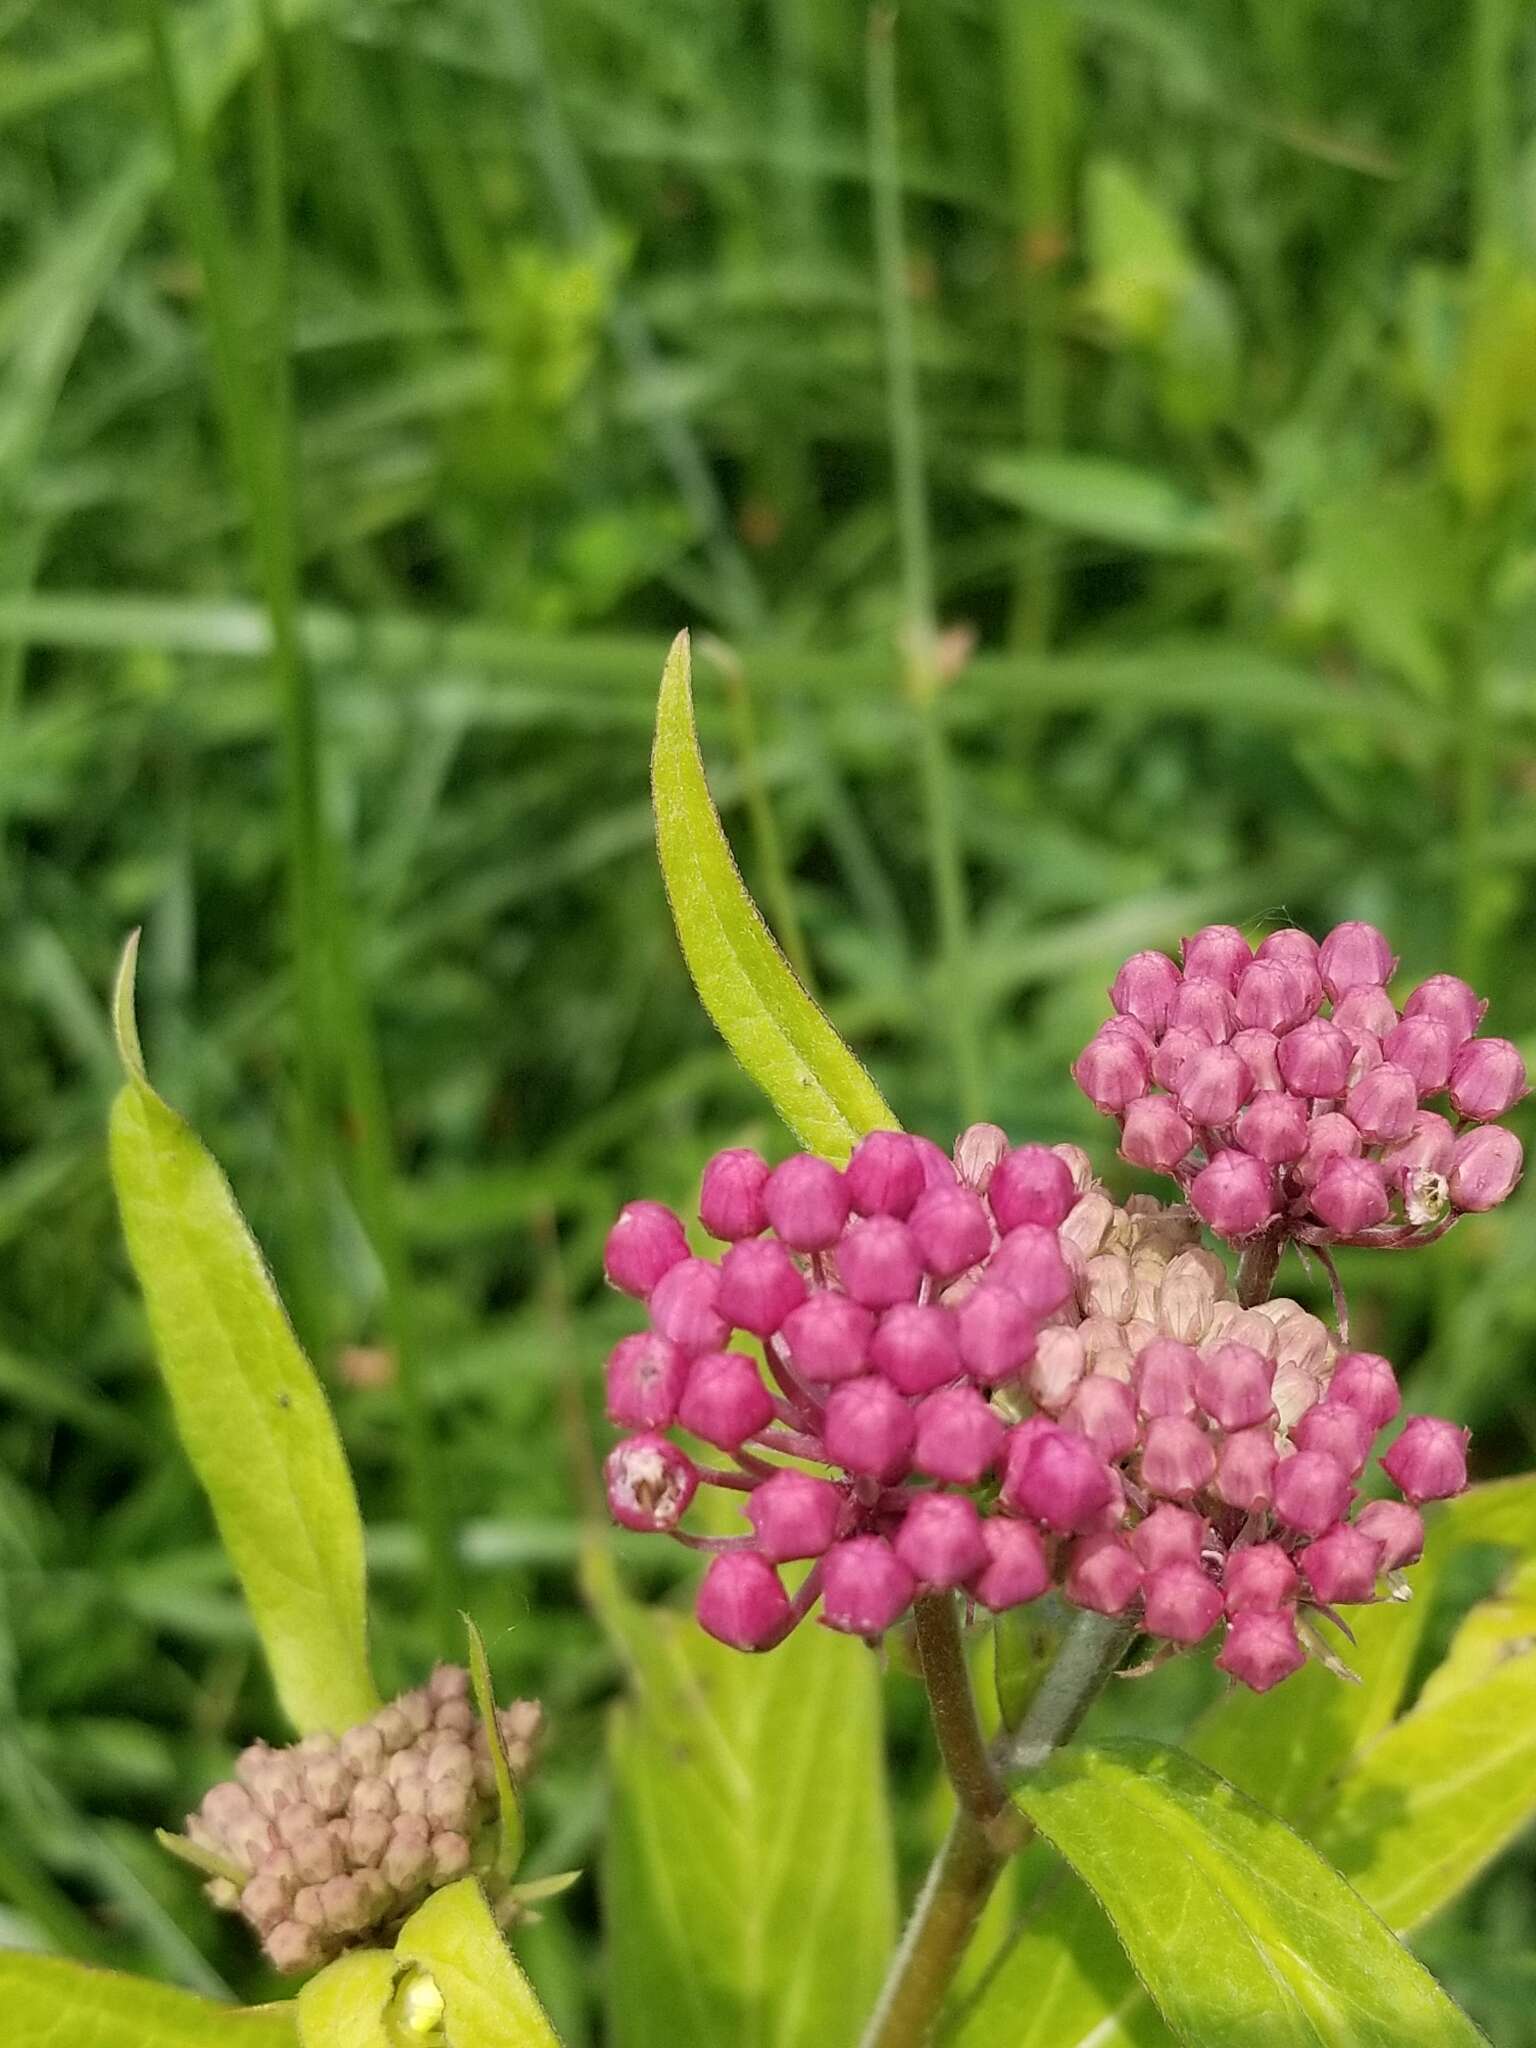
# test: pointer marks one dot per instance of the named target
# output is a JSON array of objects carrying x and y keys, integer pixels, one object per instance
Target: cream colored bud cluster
[
  {"x": 340, "y": 1838},
  {"x": 1141, "y": 1272}
]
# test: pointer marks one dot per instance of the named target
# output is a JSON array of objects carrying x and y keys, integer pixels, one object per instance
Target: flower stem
[
  {"x": 1258, "y": 1266},
  {"x": 941, "y": 1652},
  {"x": 973, "y": 1855}
]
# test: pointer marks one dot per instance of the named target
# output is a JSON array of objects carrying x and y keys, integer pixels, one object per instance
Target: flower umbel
[{"x": 981, "y": 1374}]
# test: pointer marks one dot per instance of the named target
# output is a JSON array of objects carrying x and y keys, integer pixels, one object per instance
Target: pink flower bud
[
  {"x": 649, "y": 1482},
  {"x": 645, "y": 1376},
  {"x": 1176, "y": 1458},
  {"x": 1332, "y": 1136},
  {"x": 1031, "y": 1184},
  {"x": 951, "y": 1230},
  {"x": 1214, "y": 1086},
  {"x": 794, "y": 1515},
  {"x": 1102, "y": 1574},
  {"x": 1235, "y": 1194},
  {"x": 1295, "y": 948},
  {"x": 741, "y": 1602},
  {"x": 1030, "y": 1261},
  {"x": 1233, "y": 1386},
  {"x": 685, "y": 1306},
  {"x": 1055, "y": 1476},
  {"x": 978, "y": 1149},
  {"x": 725, "y": 1400},
  {"x": 1427, "y": 1147},
  {"x": 1398, "y": 1528},
  {"x": 807, "y": 1202},
  {"x": 1245, "y": 1469},
  {"x": 938, "y": 1167},
  {"x": 1311, "y": 1491},
  {"x": 1354, "y": 956},
  {"x": 1219, "y": 952},
  {"x": 1259, "y": 1578},
  {"x": 1450, "y": 1002},
  {"x": 731, "y": 1194},
  {"x": 1104, "y": 1410},
  {"x": 1365, "y": 1015},
  {"x": 1143, "y": 989},
  {"x": 885, "y": 1175},
  {"x": 1429, "y": 1459},
  {"x": 1382, "y": 1105},
  {"x": 1342, "y": 1565},
  {"x": 1181, "y": 1603},
  {"x": 916, "y": 1348},
  {"x": 865, "y": 1586},
  {"x": 1314, "y": 1059},
  {"x": 1273, "y": 996},
  {"x": 1112, "y": 1071},
  {"x": 1169, "y": 1535},
  {"x": 939, "y": 1540},
  {"x": 1202, "y": 1005},
  {"x": 1164, "y": 1378},
  {"x": 1488, "y": 1077},
  {"x": 1339, "y": 1430},
  {"x": 1016, "y": 1570},
  {"x": 1274, "y": 1127},
  {"x": 760, "y": 1285},
  {"x": 1261, "y": 1649},
  {"x": 828, "y": 1337},
  {"x": 959, "y": 1436},
  {"x": 997, "y": 1333},
  {"x": 1172, "y": 1054},
  {"x": 868, "y": 1428},
  {"x": 1350, "y": 1195},
  {"x": 878, "y": 1262},
  {"x": 1424, "y": 1048},
  {"x": 1365, "y": 1381},
  {"x": 1485, "y": 1168},
  {"x": 1155, "y": 1135},
  {"x": 1259, "y": 1052},
  {"x": 646, "y": 1240},
  {"x": 1057, "y": 1367}
]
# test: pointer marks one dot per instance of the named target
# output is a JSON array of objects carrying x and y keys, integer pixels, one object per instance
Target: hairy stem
[
  {"x": 1257, "y": 1267},
  {"x": 978, "y": 1788},
  {"x": 974, "y": 1853}
]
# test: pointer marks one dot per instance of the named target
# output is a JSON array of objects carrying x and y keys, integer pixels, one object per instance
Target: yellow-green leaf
[
  {"x": 1239, "y": 1930},
  {"x": 487, "y": 2001},
  {"x": 347, "y": 2004},
  {"x": 780, "y": 1036},
  {"x": 248, "y": 1407},
  {"x": 46, "y": 2002}
]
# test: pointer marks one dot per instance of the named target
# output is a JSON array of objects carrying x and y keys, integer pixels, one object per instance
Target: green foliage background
[{"x": 377, "y": 452}]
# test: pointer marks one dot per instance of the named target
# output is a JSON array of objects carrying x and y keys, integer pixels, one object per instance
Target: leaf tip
[{"x": 125, "y": 1025}]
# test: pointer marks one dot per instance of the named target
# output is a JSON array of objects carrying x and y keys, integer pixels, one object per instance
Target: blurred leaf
[
  {"x": 1489, "y": 409},
  {"x": 249, "y": 1409},
  {"x": 344, "y": 2006},
  {"x": 49, "y": 2003},
  {"x": 487, "y": 2001},
  {"x": 761, "y": 1011},
  {"x": 1114, "y": 501},
  {"x": 1238, "y": 1928},
  {"x": 748, "y": 1884},
  {"x": 1390, "y": 567}
]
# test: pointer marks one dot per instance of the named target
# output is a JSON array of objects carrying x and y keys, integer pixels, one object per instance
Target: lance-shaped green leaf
[
  {"x": 1239, "y": 1930},
  {"x": 509, "y": 1810},
  {"x": 780, "y": 1036},
  {"x": 748, "y": 1885},
  {"x": 487, "y": 2002},
  {"x": 46, "y": 2002},
  {"x": 347, "y": 2005},
  {"x": 248, "y": 1407}
]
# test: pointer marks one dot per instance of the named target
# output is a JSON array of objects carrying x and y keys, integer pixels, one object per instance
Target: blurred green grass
[{"x": 356, "y": 469}]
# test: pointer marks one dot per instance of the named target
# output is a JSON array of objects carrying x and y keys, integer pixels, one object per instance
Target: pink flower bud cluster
[
  {"x": 338, "y": 1840},
  {"x": 1283, "y": 1087},
  {"x": 991, "y": 1379}
]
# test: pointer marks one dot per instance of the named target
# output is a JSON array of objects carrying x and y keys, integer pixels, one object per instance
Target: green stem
[
  {"x": 956, "y": 1015},
  {"x": 941, "y": 1652},
  {"x": 973, "y": 1857}
]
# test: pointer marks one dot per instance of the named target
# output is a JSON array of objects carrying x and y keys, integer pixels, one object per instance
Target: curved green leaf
[
  {"x": 1243, "y": 1935},
  {"x": 345, "y": 2005},
  {"x": 248, "y": 1407},
  {"x": 487, "y": 2001},
  {"x": 745, "y": 983},
  {"x": 46, "y": 2002},
  {"x": 748, "y": 1881}
]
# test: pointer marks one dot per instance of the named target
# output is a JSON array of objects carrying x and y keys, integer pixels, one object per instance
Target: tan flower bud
[
  {"x": 317, "y": 1857},
  {"x": 456, "y": 1717},
  {"x": 1089, "y": 1223},
  {"x": 394, "y": 1729},
  {"x": 370, "y": 1838},
  {"x": 327, "y": 1784},
  {"x": 372, "y": 1796},
  {"x": 1108, "y": 1288},
  {"x": 363, "y": 1749},
  {"x": 450, "y": 1857},
  {"x": 293, "y": 1947},
  {"x": 450, "y": 1762},
  {"x": 448, "y": 1682},
  {"x": 297, "y": 1821},
  {"x": 417, "y": 1710},
  {"x": 345, "y": 1903},
  {"x": 309, "y": 1907},
  {"x": 265, "y": 1901},
  {"x": 977, "y": 1151},
  {"x": 1079, "y": 1165}
]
